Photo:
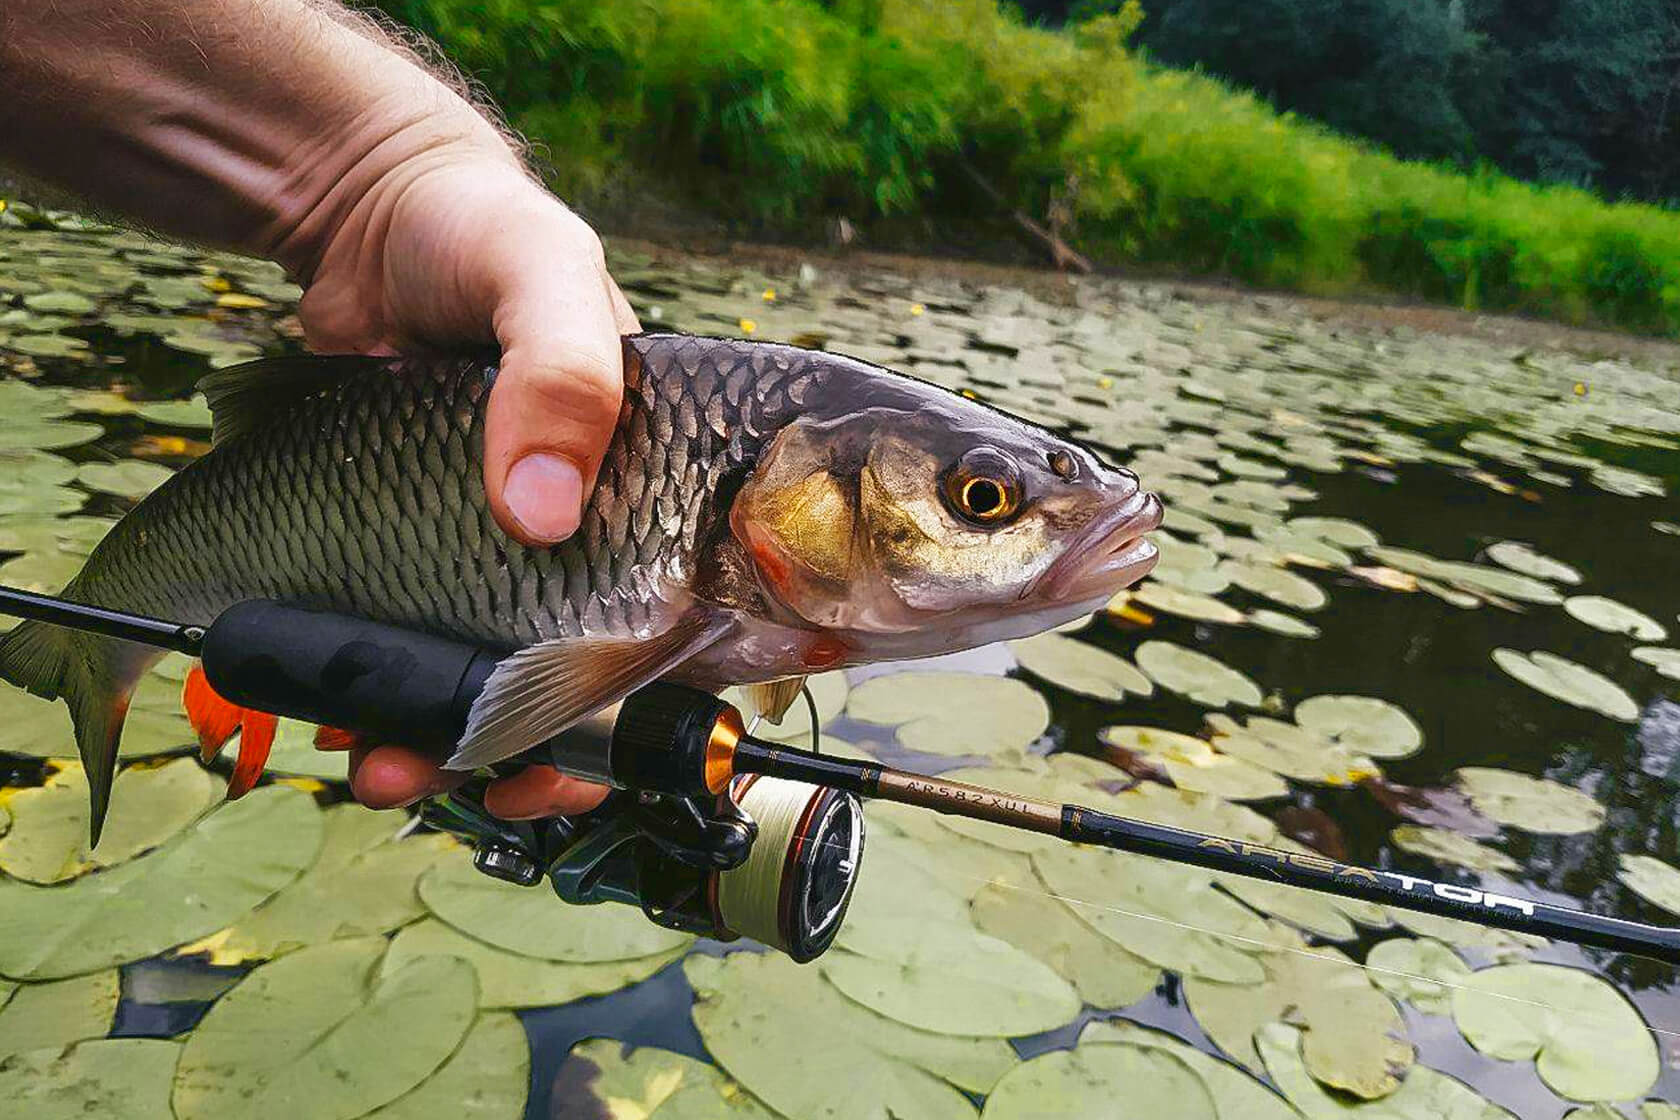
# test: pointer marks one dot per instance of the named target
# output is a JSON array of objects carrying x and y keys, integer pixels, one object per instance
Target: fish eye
[{"x": 983, "y": 487}]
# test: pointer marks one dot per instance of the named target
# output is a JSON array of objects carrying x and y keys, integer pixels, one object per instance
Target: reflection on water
[{"x": 1246, "y": 414}]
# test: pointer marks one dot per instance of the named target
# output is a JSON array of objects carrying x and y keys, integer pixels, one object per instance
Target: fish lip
[{"x": 1109, "y": 552}]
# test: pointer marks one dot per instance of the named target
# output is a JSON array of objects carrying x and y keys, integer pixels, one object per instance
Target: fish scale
[{"x": 367, "y": 498}]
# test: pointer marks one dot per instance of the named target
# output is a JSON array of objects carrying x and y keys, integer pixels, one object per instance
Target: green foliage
[{"x": 781, "y": 113}]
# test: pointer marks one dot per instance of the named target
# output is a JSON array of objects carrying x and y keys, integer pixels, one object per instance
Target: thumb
[{"x": 554, "y": 406}]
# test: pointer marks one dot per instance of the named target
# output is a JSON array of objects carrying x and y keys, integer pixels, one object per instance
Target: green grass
[{"x": 779, "y": 112}]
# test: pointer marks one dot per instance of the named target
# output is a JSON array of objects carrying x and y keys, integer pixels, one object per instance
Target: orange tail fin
[{"x": 215, "y": 720}]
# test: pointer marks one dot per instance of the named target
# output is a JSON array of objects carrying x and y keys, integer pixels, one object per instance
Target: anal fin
[
  {"x": 772, "y": 699},
  {"x": 539, "y": 691}
]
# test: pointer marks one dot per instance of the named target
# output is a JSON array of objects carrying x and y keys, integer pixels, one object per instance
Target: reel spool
[{"x": 792, "y": 891}]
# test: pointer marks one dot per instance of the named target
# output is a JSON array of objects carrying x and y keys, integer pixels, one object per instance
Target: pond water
[{"x": 1355, "y": 511}]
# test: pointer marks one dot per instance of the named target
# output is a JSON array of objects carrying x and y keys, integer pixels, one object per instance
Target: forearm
[{"x": 264, "y": 125}]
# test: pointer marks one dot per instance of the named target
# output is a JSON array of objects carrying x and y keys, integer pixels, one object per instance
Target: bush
[{"x": 782, "y": 112}]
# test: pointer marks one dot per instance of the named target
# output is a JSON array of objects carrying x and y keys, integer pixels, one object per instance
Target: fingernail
[{"x": 544, "y": 493}]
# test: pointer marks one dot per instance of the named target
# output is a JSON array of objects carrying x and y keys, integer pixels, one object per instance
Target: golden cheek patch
[{"x": 808, "y": 524}]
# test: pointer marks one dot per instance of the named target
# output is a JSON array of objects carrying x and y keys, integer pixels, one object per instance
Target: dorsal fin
[{"x": 244, "y": 396}]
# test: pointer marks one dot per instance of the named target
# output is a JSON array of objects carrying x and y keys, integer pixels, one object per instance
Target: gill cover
[{"x": 846, "y": 526}]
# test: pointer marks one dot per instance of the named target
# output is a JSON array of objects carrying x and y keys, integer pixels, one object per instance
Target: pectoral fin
[
  {"x": 772, "y": 699},
  {"x": 541, "y": 690}
]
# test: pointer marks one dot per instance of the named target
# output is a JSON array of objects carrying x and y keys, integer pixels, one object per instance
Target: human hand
[{"x": 457, "y": 245}]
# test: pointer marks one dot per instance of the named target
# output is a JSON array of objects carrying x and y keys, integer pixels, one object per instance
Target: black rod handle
[{"x": 393, "y": 683}]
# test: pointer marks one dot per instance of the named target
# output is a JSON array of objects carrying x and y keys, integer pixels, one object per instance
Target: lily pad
[
  {"x": 487, "y": 1078},
  {"x": 1362, "y": 725},
  {"x": 362, "y": 882},
  {"x": 534, "y": 923},
  {"x": 611, "y": 1080},
  {"x": 49, "y": 837},
  {"x": 1420, "y": 971},
  {"x": 184, "y": 890},
  {"x": 1276, "y": 584},
  {"x": 1533, "y": 804},
  {"x": 1083, "y": 1082},
  {"x": 1081, "y": 667},
  {"x": 744, "y": 1001},
  {"x": 1236, "y": 1095},
  {"x": 1424, "y": 1095},
  {"x": 1186, "y": 604},
  {"x": 1664, "y": 661},
  {"x": 1290, "y": 750},
  {"x": 1588, "y": 1042},
  {"x": 1336, "y": 530},
  {"x": 508, "y": 980},
  {"x": 1562, "y": 679},
  {"x": 1353, "y": 1038},
  {"x": 1653, "y": 880},
  {"x": 60, "y": 303},
  {"x": 1520, "y": 557},
  {"x": 975, "y": 714},
  {"x": 1170, "y": 916},
  {"x": 1614, "y": 618},
  {"x": 59, "y": 1013},
  {"x": 295, "y": 1036},
  {"x": 1196, "y": 675},
  {"x": 191, "y": 413},
  {"x": 131, "y": 478},
  {"x": 1193, "y": 763},
  {"x": 127, "y": 1077},
  {"x": 1446, "y": 846},
  {"x": 46, "y": 435},
  {"x": 1286, "y": 624},
  {"x": 1103, "y": 973}
]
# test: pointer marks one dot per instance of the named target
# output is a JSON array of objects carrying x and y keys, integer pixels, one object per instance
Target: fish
[{"x": 763, "y": 512}]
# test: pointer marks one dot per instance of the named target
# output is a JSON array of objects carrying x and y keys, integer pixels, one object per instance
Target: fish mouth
[{"x": 1108, "y": 555}]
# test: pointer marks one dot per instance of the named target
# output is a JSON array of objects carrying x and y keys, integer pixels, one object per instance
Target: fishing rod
[{"x": 710, "y": 829}]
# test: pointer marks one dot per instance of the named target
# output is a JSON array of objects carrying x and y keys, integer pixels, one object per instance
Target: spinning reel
[{"x": 766, "y": 858}]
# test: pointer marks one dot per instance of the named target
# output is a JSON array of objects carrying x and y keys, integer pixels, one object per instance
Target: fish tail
[{"x": 95, "y": 676}]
